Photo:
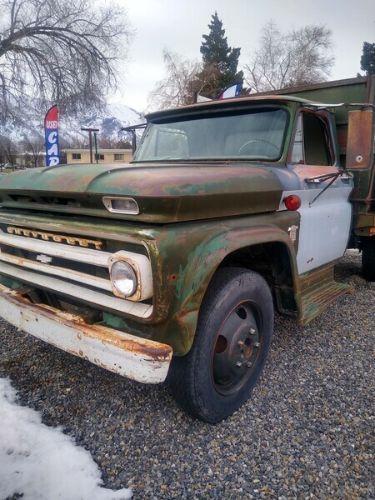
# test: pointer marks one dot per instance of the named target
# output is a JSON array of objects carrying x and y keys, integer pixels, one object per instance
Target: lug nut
[{"x": 252, "y": 331}]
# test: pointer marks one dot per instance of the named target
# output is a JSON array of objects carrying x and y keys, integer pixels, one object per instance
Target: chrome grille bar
[
  {"x": 78, "y": 254},
  {"x": 59, "y": 278},
  {"x": 63, "y": 272},
  {"x": 90, "y": 296}
]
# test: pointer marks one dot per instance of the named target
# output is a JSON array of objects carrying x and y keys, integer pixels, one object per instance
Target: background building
[
  {"x": 82, "y": 155},
  {"x": 70, "y": 156}
]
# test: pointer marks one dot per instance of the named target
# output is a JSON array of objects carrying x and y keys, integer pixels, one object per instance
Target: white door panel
[
  {"x": 324, "y": 227},
  {"x": 325, "y": 223}
]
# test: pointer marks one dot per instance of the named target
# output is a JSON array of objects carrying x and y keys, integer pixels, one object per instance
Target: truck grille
[{"x": 68, "y": 265}]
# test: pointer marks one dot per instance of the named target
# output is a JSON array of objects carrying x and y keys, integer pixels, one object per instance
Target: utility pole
[
  {"x": 91, "y": 131},
  {"x": 96, "y": 148}
]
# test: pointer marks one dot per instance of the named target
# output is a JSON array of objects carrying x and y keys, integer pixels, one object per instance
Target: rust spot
[
  {"x": 150, "y": 349},
  {"x": 360, "y": 138}
]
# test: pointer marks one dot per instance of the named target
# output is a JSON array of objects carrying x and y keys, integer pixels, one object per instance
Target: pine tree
[
  {"x": 220, "y": 62},
  {"x": 368, "y": 58}
]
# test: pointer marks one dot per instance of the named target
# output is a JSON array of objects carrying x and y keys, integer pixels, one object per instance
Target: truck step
[{"x": 314, "y": 299}]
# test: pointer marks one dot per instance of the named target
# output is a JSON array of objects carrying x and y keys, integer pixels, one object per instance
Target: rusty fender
[
  {"x": 196, "y": 263},
  {"x": 136, "y": 358}
]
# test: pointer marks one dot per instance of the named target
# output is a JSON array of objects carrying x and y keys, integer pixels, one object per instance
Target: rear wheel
[
  {"x": 368, "y": 258},
  {"x": 230, "y": 347}
]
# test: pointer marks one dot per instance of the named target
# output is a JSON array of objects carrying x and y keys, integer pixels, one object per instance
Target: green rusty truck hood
[{"x": 165, "y": 193}]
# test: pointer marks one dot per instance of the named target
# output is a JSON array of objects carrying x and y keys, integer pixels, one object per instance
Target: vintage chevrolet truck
[{"x": 170, "y": 268}]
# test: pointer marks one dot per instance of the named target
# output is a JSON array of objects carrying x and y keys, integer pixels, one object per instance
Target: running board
[{"x": 318, "y": 291}]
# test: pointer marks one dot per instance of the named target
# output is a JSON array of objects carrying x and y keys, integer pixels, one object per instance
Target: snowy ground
[{"x": 41, "y": 462}]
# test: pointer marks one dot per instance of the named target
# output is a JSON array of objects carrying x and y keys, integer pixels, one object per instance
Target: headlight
[{"x": 123, "y": 278}]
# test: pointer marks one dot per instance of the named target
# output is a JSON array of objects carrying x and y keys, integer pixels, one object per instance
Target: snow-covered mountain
[{"x": 109, "y": 122}]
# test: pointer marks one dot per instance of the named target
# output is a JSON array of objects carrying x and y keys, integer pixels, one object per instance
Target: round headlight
[{"x": 123, "y": 278}]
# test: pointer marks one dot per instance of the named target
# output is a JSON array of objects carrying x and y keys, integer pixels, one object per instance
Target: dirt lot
[{"x": 307, "y": 431}]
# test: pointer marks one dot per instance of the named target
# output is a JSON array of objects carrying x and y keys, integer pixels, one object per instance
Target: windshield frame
[{"x": 232, "y": 111}]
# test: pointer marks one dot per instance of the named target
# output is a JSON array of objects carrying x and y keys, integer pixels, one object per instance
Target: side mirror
[{"x": 360, "y": 142}]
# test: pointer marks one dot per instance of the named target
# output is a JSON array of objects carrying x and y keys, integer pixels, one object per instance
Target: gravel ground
[{"x": 306, "y": 432}]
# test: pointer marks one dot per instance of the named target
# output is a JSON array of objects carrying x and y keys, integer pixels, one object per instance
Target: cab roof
[{"x": 233, "y": 102}]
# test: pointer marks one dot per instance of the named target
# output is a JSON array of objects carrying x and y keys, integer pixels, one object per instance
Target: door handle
[
  {"x": 346, "y": 177},
  {"x": 314, "y": 180}
]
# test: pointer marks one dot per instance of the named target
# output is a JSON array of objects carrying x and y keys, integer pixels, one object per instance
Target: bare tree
[
  {"x": 8, "y": 150},
  {"x": 62, "y": 51},
  {"x": 33, "y": 146},
  {"x": 177, "y": 88},
  {"x": 287, "y": 59}
]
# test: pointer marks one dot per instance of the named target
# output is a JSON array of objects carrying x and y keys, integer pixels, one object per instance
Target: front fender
[{"x": 202, "y": 261}]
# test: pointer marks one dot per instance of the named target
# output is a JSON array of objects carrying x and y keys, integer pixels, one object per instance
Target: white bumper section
[{"x": 133, "y": 357}]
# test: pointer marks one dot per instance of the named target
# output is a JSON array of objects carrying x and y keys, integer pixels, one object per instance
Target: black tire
[
  {"x": 368, "y": 258},
  {"x": 205, "y": 381}
]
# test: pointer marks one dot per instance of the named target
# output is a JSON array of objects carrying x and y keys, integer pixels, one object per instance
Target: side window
[
  {"x": 310, "y": 144},
  {"x": 315, "y": 141}
]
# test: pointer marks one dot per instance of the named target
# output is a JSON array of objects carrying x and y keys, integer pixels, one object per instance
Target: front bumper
[{"x": 136, "y": 358}]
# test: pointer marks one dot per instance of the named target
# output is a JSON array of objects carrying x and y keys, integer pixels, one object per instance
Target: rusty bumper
[{"x": 130, "y": 356}]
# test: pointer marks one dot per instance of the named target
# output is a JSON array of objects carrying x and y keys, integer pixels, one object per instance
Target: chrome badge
[
  {"x": 44, "y": 259},
  {"x": 57, "y": 238}
]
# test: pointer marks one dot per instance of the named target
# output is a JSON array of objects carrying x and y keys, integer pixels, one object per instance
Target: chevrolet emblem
[
  {"x": 44, "y": 259},
  {"x": 57, "y": 238}
]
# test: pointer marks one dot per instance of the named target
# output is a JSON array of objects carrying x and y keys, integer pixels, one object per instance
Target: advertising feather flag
[{"x": 51, "y": 133}]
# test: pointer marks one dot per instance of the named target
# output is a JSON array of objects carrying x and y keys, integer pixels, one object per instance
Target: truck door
[{"x": 325, "y": 219}]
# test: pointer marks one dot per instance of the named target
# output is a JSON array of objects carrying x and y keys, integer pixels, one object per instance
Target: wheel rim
[{"x": 237, "y": 348}]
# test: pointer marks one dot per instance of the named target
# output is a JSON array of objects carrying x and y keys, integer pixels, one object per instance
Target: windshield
[{"x": 255, "y": 134}]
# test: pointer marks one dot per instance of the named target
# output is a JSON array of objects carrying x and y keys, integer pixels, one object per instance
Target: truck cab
[{"x": 171, "y": 268}]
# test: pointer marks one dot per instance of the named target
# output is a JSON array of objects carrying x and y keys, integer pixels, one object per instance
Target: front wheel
[
  {"x": 368, "y": 258},
  {"x": 230, "y": 347}
]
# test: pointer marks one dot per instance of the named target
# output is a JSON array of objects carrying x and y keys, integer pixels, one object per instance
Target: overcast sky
[{"x": 178, "y": 25}]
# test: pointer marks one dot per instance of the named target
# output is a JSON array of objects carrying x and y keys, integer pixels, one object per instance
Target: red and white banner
[{"x": 51, "y": 133}]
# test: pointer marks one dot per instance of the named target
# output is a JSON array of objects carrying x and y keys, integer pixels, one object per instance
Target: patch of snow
[
  {"x": 41, "y": 462},
  {"x": 126, "y": 114}
]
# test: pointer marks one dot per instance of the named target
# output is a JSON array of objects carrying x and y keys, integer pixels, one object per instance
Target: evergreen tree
[
  {"x": 219, "y": 62},
  {"x": 368, "y": 58}
]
